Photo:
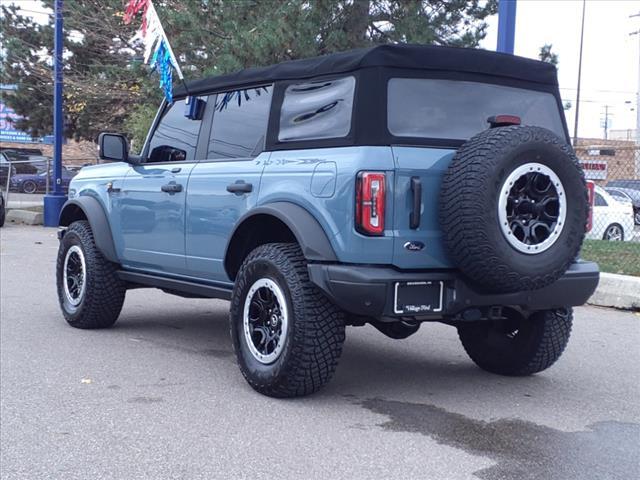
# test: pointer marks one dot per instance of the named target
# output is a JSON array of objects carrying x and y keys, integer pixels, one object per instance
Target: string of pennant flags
[{"x": 157, "y": 50}]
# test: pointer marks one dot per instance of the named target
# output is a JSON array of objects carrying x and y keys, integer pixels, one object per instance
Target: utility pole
[
  {"x": 605, "y": 122},
  {"x": 54, "y": 201},
  {"x": 637, "y": 32},
  {"x": 575, "y": 126}
]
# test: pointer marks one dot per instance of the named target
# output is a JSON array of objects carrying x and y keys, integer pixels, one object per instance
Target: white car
[{"x": 612, "y": 219}]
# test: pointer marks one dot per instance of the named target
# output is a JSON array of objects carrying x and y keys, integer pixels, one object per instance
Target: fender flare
[
  {"x": 95, "y": 214},
  {"x": 311, "y": 237}
]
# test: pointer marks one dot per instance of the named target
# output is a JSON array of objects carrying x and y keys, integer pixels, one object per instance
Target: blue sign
[{"x": 8, "y": 131}]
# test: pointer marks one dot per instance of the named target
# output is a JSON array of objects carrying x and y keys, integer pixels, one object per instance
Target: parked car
[
  {"x": 3, "y": 210},
  {"x": 627, "y": 195},
  {"x": 20, "y": 167},
  {"x": 15, "y": 152},
  {"x": 634, "y": 184},
  {"x": 612, "y": 219},
  {"x": 453, "y": 197},
  {"x": 34, "y": 183}
]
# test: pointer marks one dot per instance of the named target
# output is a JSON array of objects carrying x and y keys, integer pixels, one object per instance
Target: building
[{"x": 606, "y": 160}]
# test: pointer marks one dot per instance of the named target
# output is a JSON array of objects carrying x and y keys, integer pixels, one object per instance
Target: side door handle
[
  {"x": 171, "y": 188},
  {"x": 239, "y": 187},
  {"x": 416, "y": 190}
]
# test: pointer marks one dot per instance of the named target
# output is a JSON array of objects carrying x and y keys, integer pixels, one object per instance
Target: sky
[
  {"x": 610, "y": 59},
  {"x": 610, "y": 63}
]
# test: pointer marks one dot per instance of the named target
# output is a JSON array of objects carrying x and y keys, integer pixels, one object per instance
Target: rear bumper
[{"x": 369, "y": 290}]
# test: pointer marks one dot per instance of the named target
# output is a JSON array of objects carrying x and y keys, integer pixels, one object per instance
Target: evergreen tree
[
  {"x": 108, "y": 88},
  {"x": 546, "y": 55}
]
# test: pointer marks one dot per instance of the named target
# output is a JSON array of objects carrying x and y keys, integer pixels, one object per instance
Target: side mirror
[{"x": 114, "y": 147}]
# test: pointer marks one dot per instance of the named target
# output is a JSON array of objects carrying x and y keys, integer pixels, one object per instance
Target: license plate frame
[{"x": 405, "y": 291}]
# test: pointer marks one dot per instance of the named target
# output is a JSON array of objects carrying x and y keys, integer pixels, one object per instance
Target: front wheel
[
  {"x": 90, "y": 292},
  {"x": 286, "y": 334},
  {"x": 29, "y": 187},
  {"x": 518, "y": 345},
  {"x": 613, "y": 233}
]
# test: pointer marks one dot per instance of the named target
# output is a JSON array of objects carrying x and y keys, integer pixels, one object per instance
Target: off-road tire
[
  {"x": 469, "y": 209},
  {"x": 104, "y": 292},
  {"x": 316, "y": 327},
  {"x": 545, "y": 336}
]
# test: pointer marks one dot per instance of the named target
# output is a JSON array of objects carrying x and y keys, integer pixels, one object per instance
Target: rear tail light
[
  {"x": 370, "y": 201},
  {"x": 591, "y": 189}
]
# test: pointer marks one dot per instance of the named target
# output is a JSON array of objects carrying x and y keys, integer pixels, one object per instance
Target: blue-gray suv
[{"x": 392, "y": 185}]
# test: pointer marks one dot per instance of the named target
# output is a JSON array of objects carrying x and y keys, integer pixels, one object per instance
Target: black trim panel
[
  {"x": 368, "y": 290},
  {"x": 171, "y": 284},
  {"x": 97, "y": 218},
  {"x": 309, "y": 233}
]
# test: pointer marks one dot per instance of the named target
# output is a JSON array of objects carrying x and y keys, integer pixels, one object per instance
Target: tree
[
  {"x": 546, "y": 55},
  {"x": 106, "y": 87}
]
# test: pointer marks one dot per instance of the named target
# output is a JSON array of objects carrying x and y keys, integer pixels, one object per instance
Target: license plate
[{"x": 418, "y": 297}]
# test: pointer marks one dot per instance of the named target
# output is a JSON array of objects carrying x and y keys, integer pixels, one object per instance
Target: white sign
[{"x": 594, "y": 169}]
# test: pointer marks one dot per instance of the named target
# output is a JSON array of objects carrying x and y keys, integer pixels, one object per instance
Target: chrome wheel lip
[
  {"x": 505, "y": 190},
  {"x": 284, "y": 320},
  {"x": 74, "y": 299}
]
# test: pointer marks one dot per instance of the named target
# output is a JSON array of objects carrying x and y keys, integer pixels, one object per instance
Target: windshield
[{"x": 457, "y": 110}]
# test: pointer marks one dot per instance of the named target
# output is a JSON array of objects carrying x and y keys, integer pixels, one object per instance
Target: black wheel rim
[
  {"x": 74, "y": 275},
  {"x": 532, "y": 208},
  {"x": 29, "y": 187},
  {"x": 265, "y": 320}
]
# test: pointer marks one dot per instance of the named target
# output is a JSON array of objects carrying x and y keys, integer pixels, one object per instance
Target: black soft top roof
[{"x": 419, "y": 57}]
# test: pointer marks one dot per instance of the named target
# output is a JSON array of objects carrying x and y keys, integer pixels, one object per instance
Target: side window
[
  {"x": 316, "y": 110},
  {"x": 240, "y": 123},
  {"x": 600, "y": 201},
  {"x": 176, "y": 136}
]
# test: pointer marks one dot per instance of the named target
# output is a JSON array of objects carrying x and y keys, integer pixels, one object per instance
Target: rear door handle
[
  {"x": 416, "y": 190},
  {"x": 239, "y": 187},
  {"x": 171, "y": 188}
]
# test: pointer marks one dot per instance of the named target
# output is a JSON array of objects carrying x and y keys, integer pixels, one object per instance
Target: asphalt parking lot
[{"x": 160, "y": 396}]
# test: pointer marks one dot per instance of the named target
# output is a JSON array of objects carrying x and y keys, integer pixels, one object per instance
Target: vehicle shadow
[{"x": 429, "y": 363}]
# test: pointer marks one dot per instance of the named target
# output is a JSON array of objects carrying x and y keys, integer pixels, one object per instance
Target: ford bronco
[{"x": 393, "y": 186}]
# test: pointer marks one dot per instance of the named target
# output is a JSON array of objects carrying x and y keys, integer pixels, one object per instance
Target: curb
[
  {"x": 618, "y": 291},
  {"x": 27, "y": 217}
]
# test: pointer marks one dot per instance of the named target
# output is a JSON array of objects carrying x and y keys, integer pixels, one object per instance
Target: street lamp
[{"x": 53, "y": 202}]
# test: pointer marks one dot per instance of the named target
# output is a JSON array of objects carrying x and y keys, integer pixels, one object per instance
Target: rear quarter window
[
  {"x": 457, "y": 110},
  {"x": 317, "y": 110}
]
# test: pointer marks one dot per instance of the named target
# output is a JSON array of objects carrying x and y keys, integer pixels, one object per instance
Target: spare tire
[{"x": 513, "y": 208}]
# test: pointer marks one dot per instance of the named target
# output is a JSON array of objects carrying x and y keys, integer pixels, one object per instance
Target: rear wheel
[
  {"x": 90, "y": 292},
  {"x": 518, "y": 345},
  {"x": 286, "y": 334}
]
